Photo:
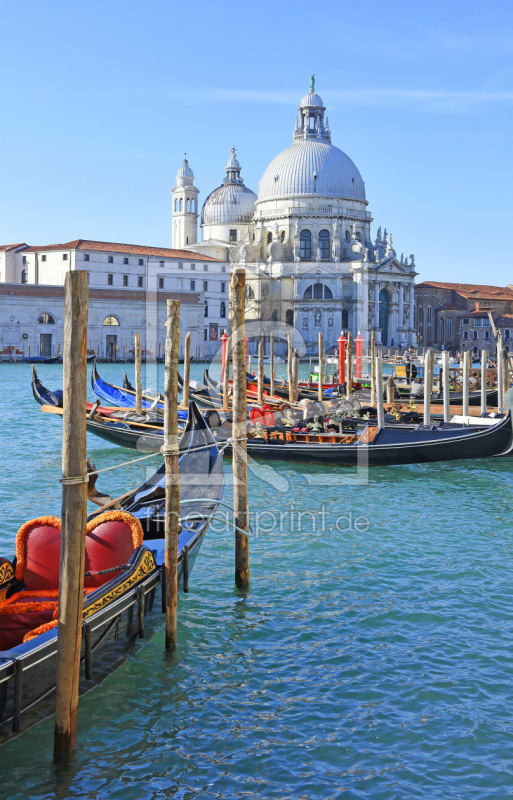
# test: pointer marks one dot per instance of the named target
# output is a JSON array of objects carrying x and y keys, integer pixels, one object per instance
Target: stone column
[
  {"x": 376, "y": 304},
  {"x": 401, "y": 307}
]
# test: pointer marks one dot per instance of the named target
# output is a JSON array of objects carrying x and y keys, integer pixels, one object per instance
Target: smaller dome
[
  {"x": 185, "y": 171},
  {"x": 229, "y": 203},
  {"x": 233, "y": 163},
  {"x": 311, "y": 100}
]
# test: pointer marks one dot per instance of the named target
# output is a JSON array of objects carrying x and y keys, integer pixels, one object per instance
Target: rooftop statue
[{"x": 312, "y": 83}]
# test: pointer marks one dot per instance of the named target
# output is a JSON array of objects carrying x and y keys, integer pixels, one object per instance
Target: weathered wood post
[
  {"x": 321, "y": 369},
  {"x": 186, "y": 369},
  {"x": 429, "y": 363},
  {"x": 74, "y": 512},
  {"x": 226, "y": 373},
  {"x": 465, "y": 378},
  {"x": 390, "y": 390},
  {"x": 171, "y": 454},
  {"x": 271, "y": 356},
  {"x": 446, "y": 378},
  {"x": 290, "y": 352},
  {"x": 505, "y": 375},
  {"x": 239, "y": 429},
  {"x": 379, "y": 392},
  {"x": 260, "y": 397},
  {"x": 137, "y": 366},
  {"x": 484, "y": 368},
  {"x": 349, "y": 365},
  {"x": 500, "y": 382},
  {"x": 295, "y": 374},
  {"x": 373, "y": 369}
]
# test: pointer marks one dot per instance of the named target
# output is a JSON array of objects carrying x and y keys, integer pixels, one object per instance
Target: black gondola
[{"x": 120, "y": 604}]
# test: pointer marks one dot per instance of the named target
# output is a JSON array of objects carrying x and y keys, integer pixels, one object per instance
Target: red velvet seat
[
  {"x": 268, "y": 416},
  {"x": 110, "y": 542}
]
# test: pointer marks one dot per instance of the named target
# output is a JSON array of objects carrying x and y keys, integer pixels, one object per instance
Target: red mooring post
[
  {"x": 342, "y": 341},
  {"x": 358, "y": 343},
  {"x": 224, "y": 341}
]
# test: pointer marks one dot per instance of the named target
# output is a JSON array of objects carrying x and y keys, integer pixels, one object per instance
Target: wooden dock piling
[
  {"x": 290, "y": 352},
  {"x": 373, "y": 369},
  {"x": 349, "y": 365},
  {"x": 74, "y": 512},
  {"x": 137, "y": 367},
  {"x": 429, "y": 363},
  {"x": 260, "y": 395},
  {"x": 379, "y": 392},
  {"x": 444, "y": 388},
  {"x": 465, "y": 378},
  {"x": 271, "y": 354},
  {"x": 239, "y": 429},
  {"x": 186, "y": 369},
  {"x": 484, "y": 370},
  {"x": 321, "y": 369},
  {"x": 171, "y": 455},
  {"x": 226, "y": 375}
]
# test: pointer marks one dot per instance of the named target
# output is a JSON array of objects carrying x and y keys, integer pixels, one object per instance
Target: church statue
[
  {"x": 248, "y": 234},
  {"x": 312, "y": 83},
  {"x": 318, "y": 256},
  {"x": 296, "y": 229}
]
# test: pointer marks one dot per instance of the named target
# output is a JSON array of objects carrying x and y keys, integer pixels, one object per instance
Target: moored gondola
[{"x": 124, "y": 557}]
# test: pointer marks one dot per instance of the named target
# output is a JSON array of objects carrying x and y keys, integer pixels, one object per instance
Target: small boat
[
  {"x": 124, "y": 558},
  {"x": 42, "y": 359},
  {"x": 121, "y": 397}
]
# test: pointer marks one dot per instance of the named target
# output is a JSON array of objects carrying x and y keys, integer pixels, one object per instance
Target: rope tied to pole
[{"x": 74, "y": 481}]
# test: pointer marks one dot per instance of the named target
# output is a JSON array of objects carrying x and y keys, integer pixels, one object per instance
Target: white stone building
[
  {"x": 305, "y": 241},
  {"x": 128, "y": 284}
]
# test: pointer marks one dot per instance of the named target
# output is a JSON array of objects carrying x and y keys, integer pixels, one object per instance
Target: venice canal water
[{"x": 372, "y": 657}]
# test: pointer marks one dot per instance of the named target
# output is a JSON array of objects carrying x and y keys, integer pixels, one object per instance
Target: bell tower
[{"x": 185, "y": 208}]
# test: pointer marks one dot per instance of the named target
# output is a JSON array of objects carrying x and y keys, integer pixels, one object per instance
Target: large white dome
[
  {"x": 311, "y": 167},
  {"x": 229, "y": 203}
]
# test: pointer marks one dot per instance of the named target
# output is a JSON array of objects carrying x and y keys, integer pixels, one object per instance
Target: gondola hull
[{"x": 391, "y": 446}]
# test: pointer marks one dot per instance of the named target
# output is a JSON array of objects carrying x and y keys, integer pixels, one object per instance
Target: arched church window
[
  {"x": 442, "y": 330},
  {"x": 345, "y": 318},
  {"x": 506, "y": 335},
  {"x": 24, "y": 276},
  {"x": 176, "y": 203},
  {"x": 45, "y": 319},
  {"x": 306, "y": 244},
  {"x": 205, "y": 312},
  {"x": 318, "y": 291},
  {"x": 358, "y": 236},
  {"x": 449, "y": 330},
  {"x": 421, "y": 316},
  {"x": 347, "y": 236},
  {"x": 196, "y": 206},
  {"x": 222, "y": 313},
  {"x": 274, "y": 316},
  {"x": 111, "y": 320},
  {"x": 289, "y": 317},
  {"x": 324, "y": 244},
  {"x": 249, "y": 294},
  {"x": 282, "y": 236},
  {"x": 188, "y": 207},
  {"x": 180, "y": 207},
  {"x": 269, "y": 237}
]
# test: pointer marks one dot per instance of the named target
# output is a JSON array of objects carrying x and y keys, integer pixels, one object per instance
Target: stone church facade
[{"x": 305, "y": 242}]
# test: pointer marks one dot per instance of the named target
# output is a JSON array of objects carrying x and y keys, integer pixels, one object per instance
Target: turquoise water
[{"x": 372, "y": 657}]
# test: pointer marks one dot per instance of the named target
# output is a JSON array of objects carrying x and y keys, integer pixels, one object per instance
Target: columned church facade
[{"x": 305, "y": 241}]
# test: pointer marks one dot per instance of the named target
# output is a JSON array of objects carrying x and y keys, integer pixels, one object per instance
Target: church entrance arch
[{"x": 384, "y": 315}]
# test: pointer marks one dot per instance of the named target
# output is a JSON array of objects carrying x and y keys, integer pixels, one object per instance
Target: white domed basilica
[{"x": 305, "y": 240}]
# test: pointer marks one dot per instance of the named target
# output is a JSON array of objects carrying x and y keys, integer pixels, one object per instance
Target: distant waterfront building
[
  {"x": 304, "y": 240},
  {"x": 454, "y": 316},
  {"x": 129, "y": 286}
]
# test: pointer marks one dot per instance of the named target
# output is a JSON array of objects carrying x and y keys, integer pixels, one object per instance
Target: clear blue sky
[{"x": 100, "y": 99}]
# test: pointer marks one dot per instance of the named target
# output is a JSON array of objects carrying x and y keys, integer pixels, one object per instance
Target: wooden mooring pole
[
  {"x": 484, "y": 370},
  {"x": 444, "y": 388},
  {"x": 349, "y": 365},
  {"x": 186, "y": 369},
  {"x": 429, "y": 363},
  {"x": 137, "y": 367},
  {"x": 171, "y": 455},
  {"x": 74, "y": 513},
  {"x": 321, "y": 369},
  {"x": 379, "y": 392},
  {"x": 239, "y": 429},
  {"x": 290, "y": 352},
  {"x": 260, "y": 396},
  {"x": 465, "y": 377},
  {"x": 373, "y": 368},
  {"x": 271, "y": 354},
  {"x": 226, "y": 379}
]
